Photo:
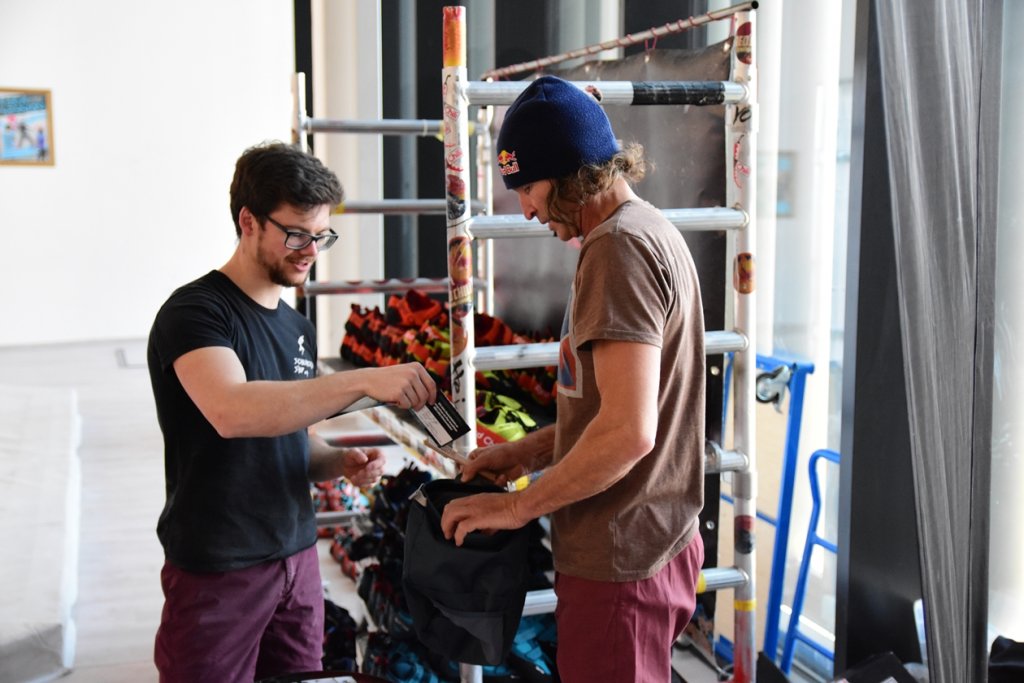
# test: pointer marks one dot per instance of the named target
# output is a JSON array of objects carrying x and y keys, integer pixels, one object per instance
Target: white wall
[
  {"x": 347, "y": 69},
  {"x": 153, "y": 102}
]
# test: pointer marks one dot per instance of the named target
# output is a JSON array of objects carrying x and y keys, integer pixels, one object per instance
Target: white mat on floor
[{"x": 40, "y": 503}]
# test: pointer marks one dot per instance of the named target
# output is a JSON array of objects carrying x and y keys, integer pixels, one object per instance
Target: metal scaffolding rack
[{"x": 472, "y": 221}]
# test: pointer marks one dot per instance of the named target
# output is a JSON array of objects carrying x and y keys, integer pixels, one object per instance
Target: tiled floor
[{"x": 119, "y": 598}]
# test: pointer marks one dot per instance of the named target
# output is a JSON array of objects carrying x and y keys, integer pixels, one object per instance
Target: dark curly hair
[
  {"x": 272, "y": 173},
  {"x": 573, "y": 190}
]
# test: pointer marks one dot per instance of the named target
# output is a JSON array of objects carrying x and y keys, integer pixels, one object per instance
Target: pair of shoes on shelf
[
  {"x": 534, "y": 388},
  {"x": 338, "y": 495},
  {"x": 363, "y": 321},
  {"x": 398, "y": 661},
  {"x": 429, "y": 345},
  {"x": 415, "y": 308},
  {"x": 391, "y": 497},
  {"x": 491, "y": 331},
  {"x": 358, "y": 352},
  {"x": 539, "y": 385},
  {"x": 341, "y": 551},
  {"x": 528, "y": 656},
  {"x": 335, "y": 496},
  {"x": 380, "y": 587},
  {"x": 340, "y": 631},
  {"x": 502, "y": 417},
  {"x": 360, "y": 345},
  {"x": 391, "y": 341},
  {"x": 435, "y": 358}
]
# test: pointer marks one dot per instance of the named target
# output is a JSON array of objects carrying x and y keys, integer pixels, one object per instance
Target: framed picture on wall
[{"x": 26, "y": 127}]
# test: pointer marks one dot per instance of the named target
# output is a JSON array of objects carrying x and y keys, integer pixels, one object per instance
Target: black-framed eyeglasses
[{"x": 296, "y": 239}]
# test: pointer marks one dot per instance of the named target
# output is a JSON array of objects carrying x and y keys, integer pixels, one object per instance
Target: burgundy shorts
[
  {"x": 624, "y": 631},
  {"x": 243, "y": 625}
]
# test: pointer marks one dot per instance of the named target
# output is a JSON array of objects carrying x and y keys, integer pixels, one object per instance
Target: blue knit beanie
[{"x": 551, "y": 130}]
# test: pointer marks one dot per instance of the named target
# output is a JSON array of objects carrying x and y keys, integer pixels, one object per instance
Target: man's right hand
[
  {"x": 502, "y": 461},
  {"x": 408, "y": 385}
]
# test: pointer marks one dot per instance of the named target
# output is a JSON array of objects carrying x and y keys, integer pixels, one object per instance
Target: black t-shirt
[{"x": 231, "y": 503}]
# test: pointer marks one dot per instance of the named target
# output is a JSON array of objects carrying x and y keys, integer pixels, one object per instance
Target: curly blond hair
[{"x": 572, "y": 191}]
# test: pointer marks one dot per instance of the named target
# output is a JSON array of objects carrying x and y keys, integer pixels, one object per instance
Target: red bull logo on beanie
[{"x": 507, "y": 163}]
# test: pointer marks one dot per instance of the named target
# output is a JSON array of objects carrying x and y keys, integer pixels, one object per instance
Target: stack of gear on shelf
[
  {"x": 414, "y": 327},
  {"x": 340, "y": 631},
  {"x": 337, "y": 496},
  {"x": 374, "y": 560}
]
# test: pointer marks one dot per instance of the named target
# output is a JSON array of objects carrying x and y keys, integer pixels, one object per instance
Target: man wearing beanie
[{"x": 623, "y": 466}]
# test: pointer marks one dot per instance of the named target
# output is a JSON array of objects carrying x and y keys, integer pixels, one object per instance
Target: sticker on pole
[
  {"x": 743, "y": 273},
  {"x": 441, "y": 421}
]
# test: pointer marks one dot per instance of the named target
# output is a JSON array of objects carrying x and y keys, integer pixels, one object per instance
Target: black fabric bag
[
  {"x": 1006, "y": 661},
  {"x": 465, "y": 601}
]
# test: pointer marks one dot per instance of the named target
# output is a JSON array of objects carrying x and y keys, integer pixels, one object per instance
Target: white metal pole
[
  {"x": 299, "y": 111},
  {"x": 741, "y": 150},
  {"x": 454, "y": 75},
  {"x": 457, "y": 184},
  {"x": 485, "y": 195}
]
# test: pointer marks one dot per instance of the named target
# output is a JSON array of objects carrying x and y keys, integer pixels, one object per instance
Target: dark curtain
[{"x": 939, "y": 77}]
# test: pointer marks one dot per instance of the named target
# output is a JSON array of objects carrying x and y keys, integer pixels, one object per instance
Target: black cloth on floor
[{"x": 1006, "y": 661}]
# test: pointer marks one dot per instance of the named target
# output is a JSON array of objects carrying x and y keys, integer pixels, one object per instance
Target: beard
[
  {"x": 276, "y": 270},
  {"x": 276, "y": 273},
  {"x": 279, "y": 274}
]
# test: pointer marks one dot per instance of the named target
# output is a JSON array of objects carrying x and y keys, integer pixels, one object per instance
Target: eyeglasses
[{"x": 296, "y": 239}]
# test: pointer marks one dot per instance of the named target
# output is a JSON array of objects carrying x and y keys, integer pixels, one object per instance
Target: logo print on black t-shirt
[{"x": 303, "y": 366}]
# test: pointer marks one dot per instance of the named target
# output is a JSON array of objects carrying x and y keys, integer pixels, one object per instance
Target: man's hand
[
  {"x": 362, "y": 467},
  {"x": 502, "y": 461},
  {"x": 408, "y": 385},
  {"x": 481, "y": 512}
]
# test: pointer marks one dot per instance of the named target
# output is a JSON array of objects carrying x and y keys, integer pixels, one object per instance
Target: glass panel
[{"x": 1006, "y": 554}]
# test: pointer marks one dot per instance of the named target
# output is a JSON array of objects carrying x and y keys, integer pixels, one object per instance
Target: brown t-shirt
[{"x": 635, "y": 281}]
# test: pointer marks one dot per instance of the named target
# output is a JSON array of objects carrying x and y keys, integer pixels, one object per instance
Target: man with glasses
[{"x": 233, "y": 370}]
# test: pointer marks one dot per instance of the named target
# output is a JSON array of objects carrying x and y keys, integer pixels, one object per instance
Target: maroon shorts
[
  {"x": 241, "y": 625},
  {"x": 624, "y": 631}
]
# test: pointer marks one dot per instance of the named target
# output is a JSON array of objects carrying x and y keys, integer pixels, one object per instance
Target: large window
[{"x": 1006, "y": 554}]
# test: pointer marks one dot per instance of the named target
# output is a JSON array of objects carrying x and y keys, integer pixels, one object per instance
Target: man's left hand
[
  {"x": 480, "y": 512},
  {"x": 362, "y": 467}
]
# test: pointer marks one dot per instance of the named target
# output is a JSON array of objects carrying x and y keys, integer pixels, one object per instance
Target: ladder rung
[
  {"x": 723, "y": 341},
  {"x": 718, "y": 459},
  {"x": 402, "y": 206},
  {"x": 703, "y": 219},
  {"x": 422, "y": 127},
  {"x": 389, "y": 286},
  {"x": 700, "y": 93},
  {"x": 338, "y": 517},
  {"x": 720, "y": 578},
  {"x": 711, "y": 579},
  {"x": 515, "y": 356},
  {"x": 506, "y": 225},
  {"x": 710, "y": 218},
  {"x": 540, "y": 602}
]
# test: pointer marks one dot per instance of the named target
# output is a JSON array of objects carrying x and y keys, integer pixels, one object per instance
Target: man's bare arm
[{"x": 215, "y": 380}]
